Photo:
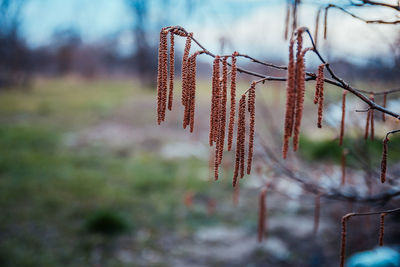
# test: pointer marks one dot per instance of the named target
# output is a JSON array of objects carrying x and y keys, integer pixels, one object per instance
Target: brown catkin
[
  {"x": 343, "y": 239},
  {"x": 222, "y": 113},
  {"x": 188, "y": 87},
  {"x": 367, "y": 125},
  {"x": 162, "y": 75},
  {"x": 317, "y": 209},
  {"x": 214, "y": 100},
  {"x": 290, "y": 98},
  {"x": 240, "y": 132},
  {"x": 185, "y": 67},
  {"x": 233, "y": 101},
  {"x": 242, "y": 124},
  {"x": 326, "y": 23},
  {"x": 252, "y": 110},
  {"x": 262, "y": 213},
  {"x": 317, "y": 26},
  {"x": 372, "y": 97},
  {"x": 343, "y": 118},
  {"x": 171, "y": 70},
  {"x": 384, "y": 159},
  {"x": 381, "y": 228},
  {"x": 320, "y": 86},
  {"x": 384, "y": 105},
  {"x": 300, "y": 91},
  {"x": 192, "y": 89}
]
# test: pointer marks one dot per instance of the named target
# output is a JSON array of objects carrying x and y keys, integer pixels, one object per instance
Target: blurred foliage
[{"x": 329, "y": 150}]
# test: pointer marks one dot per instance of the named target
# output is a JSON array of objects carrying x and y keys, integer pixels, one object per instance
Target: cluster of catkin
[
  {"x": 344, "y": 233},
  {"x": 218, "y": 115},
  {"x": 295, "y": 93}
]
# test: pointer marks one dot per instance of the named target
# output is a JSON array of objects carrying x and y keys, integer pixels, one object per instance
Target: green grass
[{"x": 59, "y": 203}]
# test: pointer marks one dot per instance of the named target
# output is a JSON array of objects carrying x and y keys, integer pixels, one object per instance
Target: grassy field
[{"x": 73, "y": 205}]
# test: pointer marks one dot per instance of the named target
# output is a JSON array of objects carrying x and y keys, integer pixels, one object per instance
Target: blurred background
[{"x": 87, "y": 178}]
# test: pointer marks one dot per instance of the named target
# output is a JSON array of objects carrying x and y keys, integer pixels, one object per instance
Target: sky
[{"x": 254, "y": 27}]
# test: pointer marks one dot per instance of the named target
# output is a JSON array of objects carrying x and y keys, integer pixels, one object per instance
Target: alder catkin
[
  {"x": 171, "y": 71},
  {"x": 326, "y": 23},
  {"x": 343, "y": 118},
  {"x": 367, "y": 125},
  {"x": 320, "y": 89},
  {"x": 290, "y": 101},
  {"x": 214, "y": 100},
  {"x": 185, "y": 67},
  {"x": 317, "y": 27},
  {"x": 300, "y": 91},
  {"x": 242, "y": 124},
  {"x": 384, "y": 159},
  {"x": 262, "y": 213},
  {"x": 372, "y": 98},
  {"x": 162, "y": 75},
  {"x": 381, "y": 228},
  {"x": 240, "y": 132},
  {"x": 251, "y": 108},
  {"x": 192, "y": 89},
  {"x": 317, "y": 209},
  {"x": 384, "y": 105},
  {"x": 233, "y": 101},
  {"x": 222, "y": 111},
  {"x": 343, "y": 238}
]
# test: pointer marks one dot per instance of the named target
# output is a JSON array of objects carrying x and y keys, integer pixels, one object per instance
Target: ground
[{"x": 88, "y": 178}]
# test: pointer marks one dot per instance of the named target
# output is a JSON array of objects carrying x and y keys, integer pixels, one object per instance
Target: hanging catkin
[
  {"x": 343, "y": 118},
  {"x": 242, "y": 124},
  {"x": 372, "y": 98},
  {"x": 384, "y": 159},
  {"x": 381, "y": 228},
  {"x": 367, "y": 125},
  {"x": 222, "y": 111},
  {"x": 384, "y": 105},
  {"x": 192, "y": 89},
  {"x": 317, "y": 27},
  {"x": 214, "y": 100},
  {"x": 185, "y": 67},
  {"x": 162, "y": 75},
  {"x": 252, "y": 110},
  {"x": 317, "y": 209},
  {"x": 326, "y": 23},
  {"x": 171, "y": 70},
  {"x": 320, "y": 90},
  {"x": 233, "y": 101},
  {"x": 262, "y": 213},
  {"x": 343, "y": 238},
  {"x": 239, "y": 138},
  {"x": 290, "y": 101},
  {"x": 188, "y": 89},
  {"x": 300, "y": 90}
]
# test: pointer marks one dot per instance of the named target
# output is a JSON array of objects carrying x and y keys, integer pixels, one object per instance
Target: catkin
[
  {"x": 384, "y": 159},
  {"x": 372, "y": 118},
  {"x": 384, "y": 105},
  {"x": 162, "y": 75},
  {"x": 233, "y": 101},
  {"x": 381, "y": 228},
  {"x": 317, "y": 209},
  {"x": 251, "y": 108},
  {"x": 239, "y": 138},
  {"x": 343, "y": 239},
  {"x": 326, "y": 23},
  {"x": 287, "y": 18},
  {"x": 214, "y": 100},
  {"x": 192, "y": 89},
  {"x": 290, "y": 101},
  {"x": 343, "y": 118},
  {"x": 171, "y": 70},
  {"x": 320, "y": 89},
  {"x": 242, "y": 113},
  {"x": 185, "y": 67},
  {"x": 262, "y": 213},
  {"x": 317, "y": 27},
  {"x": 367, "y": 125},
  {"x": 222, "y": 111},
  {"x": 300, "y": 91}
]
